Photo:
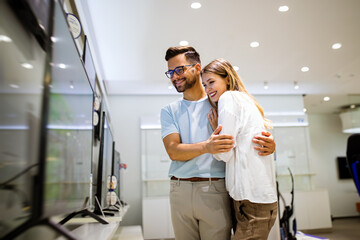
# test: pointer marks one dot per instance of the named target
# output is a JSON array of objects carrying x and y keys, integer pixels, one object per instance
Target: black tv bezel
[
  {"x": 98, "y": 194},
  {"x": 100, "y": 168},
  {"x": 85, "y": 60}
]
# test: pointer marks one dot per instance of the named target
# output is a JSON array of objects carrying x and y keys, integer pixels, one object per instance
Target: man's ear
[{"x": 198, "y": 67}]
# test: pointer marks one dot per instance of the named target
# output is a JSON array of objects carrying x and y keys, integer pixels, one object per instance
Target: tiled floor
[{"x": 343, "y": 229}]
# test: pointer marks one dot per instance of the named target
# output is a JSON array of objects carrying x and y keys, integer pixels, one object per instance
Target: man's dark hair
[{"x": 191, "y": 55}]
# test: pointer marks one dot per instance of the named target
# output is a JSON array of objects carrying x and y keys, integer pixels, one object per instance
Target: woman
[{"x": 250, "y": 177}]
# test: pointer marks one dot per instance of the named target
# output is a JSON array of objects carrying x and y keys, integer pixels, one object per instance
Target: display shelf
[{"x": 88, "y": 228}]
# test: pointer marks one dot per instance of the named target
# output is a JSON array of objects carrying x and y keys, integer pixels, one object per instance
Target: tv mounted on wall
[{"x": 343, "y": 168}]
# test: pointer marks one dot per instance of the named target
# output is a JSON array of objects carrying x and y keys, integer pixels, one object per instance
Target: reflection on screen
[
  {"x": 21, "y": 97},
  {"x": 69, "y": 129}
]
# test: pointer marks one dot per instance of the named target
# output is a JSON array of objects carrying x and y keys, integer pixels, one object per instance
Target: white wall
[
  {"x": 327, "y": 143},
  {"x": 125, "y": 117}
]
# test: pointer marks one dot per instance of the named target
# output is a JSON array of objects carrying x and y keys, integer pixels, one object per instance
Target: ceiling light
[
  {"x": 266, "y": 85},
  {"x": 305, "y": 69},
  {"x": 296, "y": 85},
  {"x": 283, "y": 8},
  {"x": 236, "y": 68},
  {"x": 304, "y": 110},
  {"x": 61, "y": 65},
  {"x": 184, "y": 43},
  {"x": 326, "y": 99},
  {"x": 71, "y": 84},
  {"x": 196, "y": 5},
  {"x": 352, "y": 106},
  {"x": 336, "y": 46},
  {"x": 4, "y": 38},
  {"x": 27, "y": 65},
  {"x": 14, "y": 85},
  {"x": 254, "y": 44}
]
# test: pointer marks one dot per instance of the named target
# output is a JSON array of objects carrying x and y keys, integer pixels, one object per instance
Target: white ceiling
[{"x": 130, "y": 39}]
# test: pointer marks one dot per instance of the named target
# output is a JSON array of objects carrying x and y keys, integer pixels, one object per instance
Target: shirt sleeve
[
  {"x": 168, "y": 124},
  {"x": 229, "y": 121}
]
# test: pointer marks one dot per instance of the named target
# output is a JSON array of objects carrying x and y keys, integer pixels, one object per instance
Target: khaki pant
[
  {"x": 254, "y": 220},
  {"x": 200, "y": 210}
]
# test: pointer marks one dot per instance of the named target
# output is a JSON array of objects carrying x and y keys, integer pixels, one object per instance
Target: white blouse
[{"x": 249, "y": 176}]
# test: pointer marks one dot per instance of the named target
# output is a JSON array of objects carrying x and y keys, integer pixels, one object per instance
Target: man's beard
[{"x": 189, "y": 83}]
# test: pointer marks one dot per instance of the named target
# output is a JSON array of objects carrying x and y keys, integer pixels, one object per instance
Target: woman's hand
[{"x": 213, "y": 118}]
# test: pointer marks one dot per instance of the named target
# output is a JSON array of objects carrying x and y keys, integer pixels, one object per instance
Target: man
[{"x": 200, "y": 204}]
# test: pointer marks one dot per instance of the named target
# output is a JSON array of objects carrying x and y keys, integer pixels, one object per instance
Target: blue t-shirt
[{"x": 189, "y": 119}]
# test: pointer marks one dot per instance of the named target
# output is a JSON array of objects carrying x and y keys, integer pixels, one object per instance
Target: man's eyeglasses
[{"x": 178, "y": 70}]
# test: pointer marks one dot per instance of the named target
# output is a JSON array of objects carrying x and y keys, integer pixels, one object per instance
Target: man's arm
[
  {"x": 266, "y": 142},
  {"x": 183, "y": 152}
]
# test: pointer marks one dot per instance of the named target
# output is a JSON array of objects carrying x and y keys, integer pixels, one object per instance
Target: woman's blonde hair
[{"x": 224, "y": 69}]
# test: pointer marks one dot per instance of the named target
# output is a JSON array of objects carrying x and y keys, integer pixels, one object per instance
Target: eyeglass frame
[{"x": 176, "y": 70}]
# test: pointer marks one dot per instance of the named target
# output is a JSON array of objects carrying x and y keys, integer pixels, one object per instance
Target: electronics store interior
[{"x": 82, "y": 152}]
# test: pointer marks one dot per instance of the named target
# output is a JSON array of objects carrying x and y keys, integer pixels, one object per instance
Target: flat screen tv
[
  {"x": 21, "y": 93},
  {"x": 344, "y": 171},
  {"x": 104, "y": 165},
  {"x": 61, "y": 120}
]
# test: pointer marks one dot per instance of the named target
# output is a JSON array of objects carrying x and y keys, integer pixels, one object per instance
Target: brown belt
[{"x": 195, "y": 179}]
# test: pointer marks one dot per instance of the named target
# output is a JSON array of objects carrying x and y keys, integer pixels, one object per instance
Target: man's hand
[
  {"x": 219, "y": 143},
  {"x": 213, "y": 119},
  {"x": 266, "y": 142}
]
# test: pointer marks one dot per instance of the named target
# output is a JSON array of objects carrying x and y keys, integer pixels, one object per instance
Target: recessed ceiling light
[
  {"x": 4, "y": 38},
  {"x": 184, "y": 43},
  {"x": 326, "y": 99},
  {"x": 61, "y": 65},
  {"x": 196, "y": 5},
  {"x": 236, "y": 68},
  {"x": 304, "y": 110},
  {"x": 283, "y": 8},
  {"x": 254, "y": 44},
  {"x": 336, "y": 46},
  {"x": 305, "y": 69},
  {"x": 14, "y": 85},
  {"x": 27, "y": 65}
]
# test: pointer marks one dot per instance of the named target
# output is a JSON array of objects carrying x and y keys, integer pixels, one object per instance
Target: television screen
[
  {"x": 69, "y": 128},
  {"x": 89, "y": 63},
  {"x": 22, "y": 67},
  {"x": 343, "y": 168}
]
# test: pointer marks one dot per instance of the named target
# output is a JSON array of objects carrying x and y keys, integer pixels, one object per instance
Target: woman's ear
[{"x": 227, "y": 83}]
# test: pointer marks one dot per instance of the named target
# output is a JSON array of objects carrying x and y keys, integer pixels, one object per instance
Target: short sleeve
[{"x": 168, "y": 124}]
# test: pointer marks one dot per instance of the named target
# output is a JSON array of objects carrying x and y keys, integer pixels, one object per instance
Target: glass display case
[{"x": 155, "y": 163}]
